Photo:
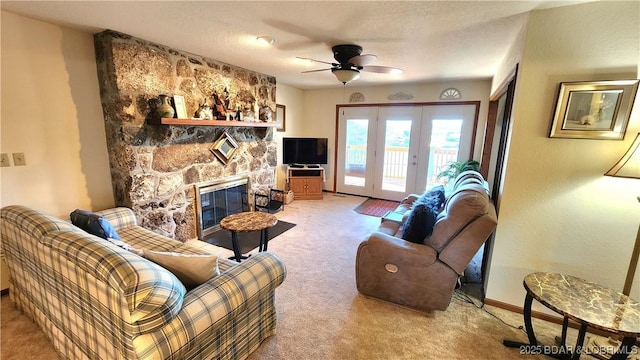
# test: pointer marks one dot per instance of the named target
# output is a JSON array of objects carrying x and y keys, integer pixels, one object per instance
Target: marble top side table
[
  {"x": 585, "y": 302},
  {"x": 247, "y": 222}
]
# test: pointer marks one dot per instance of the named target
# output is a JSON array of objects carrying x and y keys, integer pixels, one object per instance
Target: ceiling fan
[{"x": 350, "y": 62}]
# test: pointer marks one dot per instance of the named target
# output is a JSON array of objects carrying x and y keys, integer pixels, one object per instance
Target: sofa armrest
[
  {"x": 209, "y": 308},
  {"x": 461, "y": 249},
  {"x": 228, "y": 294},
  {"x": 399, "y": 251}
]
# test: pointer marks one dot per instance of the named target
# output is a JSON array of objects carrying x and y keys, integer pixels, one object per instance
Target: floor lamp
[{"x": 629, "y": 167}]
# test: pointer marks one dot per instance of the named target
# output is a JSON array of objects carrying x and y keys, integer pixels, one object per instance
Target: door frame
[
  {"x": 476, "y": 103},
  {"x": 507, "y": 88}
]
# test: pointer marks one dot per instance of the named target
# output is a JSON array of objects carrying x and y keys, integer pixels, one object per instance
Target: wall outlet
[
  {"x": 18, "y": 159},
  {"x": 5, "y": 160}
]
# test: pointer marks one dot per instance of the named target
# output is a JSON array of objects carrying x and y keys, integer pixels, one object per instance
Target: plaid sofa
[{"x": 95, "y": 300}]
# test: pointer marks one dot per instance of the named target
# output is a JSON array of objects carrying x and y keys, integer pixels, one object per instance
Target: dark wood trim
[
  {"x": 489, "y": 133},
  {"x": 428, "y": 103},
  {"x": 546, "y": 317},
  {"x": 507, "y": 88},
  {"x": 490, "y": 129},
  {"x": 519, "y": 310},
  {"x": 475, "y": 130}
]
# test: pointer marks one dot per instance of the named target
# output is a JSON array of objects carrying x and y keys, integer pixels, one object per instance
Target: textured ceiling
[{"x": 429, "y": 40}]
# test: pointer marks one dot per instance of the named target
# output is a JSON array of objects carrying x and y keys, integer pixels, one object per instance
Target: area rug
[
  {"x": 248, "y": 240},
  {"x": 376, "y": 207}
]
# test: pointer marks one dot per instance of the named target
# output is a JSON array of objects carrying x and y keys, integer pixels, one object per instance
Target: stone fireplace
[{"x": 157, "y": 170}]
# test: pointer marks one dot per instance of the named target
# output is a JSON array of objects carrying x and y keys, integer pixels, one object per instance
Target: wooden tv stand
[{"x": 306, "y": 182}]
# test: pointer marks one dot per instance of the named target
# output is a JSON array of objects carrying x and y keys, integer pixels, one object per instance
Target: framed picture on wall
[
  {"x": 181, "y": 108},
  {"x": 593, "y": 109},
  {"x": 281, "y": 116},
  {"x": 224, "y": 148}
]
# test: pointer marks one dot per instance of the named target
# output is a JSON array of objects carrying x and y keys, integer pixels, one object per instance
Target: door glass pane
[
  {"x": 396, "y": 155},
  {"x": 443, "y": 148},
  {"x": 357, "y": 131}
]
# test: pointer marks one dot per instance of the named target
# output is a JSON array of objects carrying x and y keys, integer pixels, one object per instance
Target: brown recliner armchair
[{"x": 424, "y": 276}]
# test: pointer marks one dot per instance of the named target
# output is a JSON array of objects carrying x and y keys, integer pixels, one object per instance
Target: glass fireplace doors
[{"x": 218, "y": 200}]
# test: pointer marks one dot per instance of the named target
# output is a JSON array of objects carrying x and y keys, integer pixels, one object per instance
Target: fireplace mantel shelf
[{"x": 196, "y": 122}]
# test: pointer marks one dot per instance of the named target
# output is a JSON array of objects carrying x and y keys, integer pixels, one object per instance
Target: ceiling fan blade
[
  {"x": 310, "y": 71},
  {"x": 382, "y": 69},
  {"x": 363, "y": 60},
  {"x": 318, "y": 61}
]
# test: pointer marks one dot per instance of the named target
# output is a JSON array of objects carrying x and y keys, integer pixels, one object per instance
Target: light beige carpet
[{"x": 322, "y": 316}]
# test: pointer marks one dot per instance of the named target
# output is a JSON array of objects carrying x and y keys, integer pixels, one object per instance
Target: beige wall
[
  {"x": 559, "y": 213},
  {"x": 511, "y": 59},
  {"x": 51, "y": 112},
  {"x": 319, "y": 117},
  {"x": 291, "y": 98}
]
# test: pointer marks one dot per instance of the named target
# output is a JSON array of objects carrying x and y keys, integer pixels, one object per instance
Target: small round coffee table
[{"x": 247, "y": 222}]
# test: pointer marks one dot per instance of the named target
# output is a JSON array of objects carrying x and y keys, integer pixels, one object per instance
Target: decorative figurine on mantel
[
  {"x": 219, "y": 109},
  {"x": 239, "y": 114},
  {"x": 248, "y": 114},
  {"x": 256, "y": 110},
  {"x": 266, "y": 114},
  {"x": 164, "y": 108},
  {"x": 204, "y": 112}
]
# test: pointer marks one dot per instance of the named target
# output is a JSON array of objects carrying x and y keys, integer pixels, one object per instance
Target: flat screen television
[{"x": 304, "y": 151}]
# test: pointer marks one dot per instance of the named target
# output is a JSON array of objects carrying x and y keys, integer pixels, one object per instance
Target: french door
[{"x": 392, "y": 151}]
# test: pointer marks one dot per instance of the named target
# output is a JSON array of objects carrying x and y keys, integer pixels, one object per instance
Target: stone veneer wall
[{"x": 154, "y": 168}]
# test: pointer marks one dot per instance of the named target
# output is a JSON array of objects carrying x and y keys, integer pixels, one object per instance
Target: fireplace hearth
[{"x": 218, "y": 199}]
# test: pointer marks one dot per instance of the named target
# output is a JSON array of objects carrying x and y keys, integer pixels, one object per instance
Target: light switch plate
[
  {"x": 18, "y": 159},
  {"x": 5, "y": 160}
]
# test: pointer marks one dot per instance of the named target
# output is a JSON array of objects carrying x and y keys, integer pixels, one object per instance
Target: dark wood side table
[
  {"x": 246, "y": 222},
  {"x": 584, "y": 302}
]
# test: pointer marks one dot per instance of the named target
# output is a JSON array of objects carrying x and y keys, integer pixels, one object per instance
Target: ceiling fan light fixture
[
  {"x": 346, "y": 75},
  {"x": 266, "y": 39}
]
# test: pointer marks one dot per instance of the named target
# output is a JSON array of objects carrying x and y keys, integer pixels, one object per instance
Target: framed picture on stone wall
[
  {"x": 224, "y": 148},
  {"x": 181, "y": 107},
  {"x": 593, "y": 109}
]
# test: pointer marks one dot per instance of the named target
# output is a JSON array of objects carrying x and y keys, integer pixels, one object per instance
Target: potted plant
[{"x": 453, "y": 168}]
